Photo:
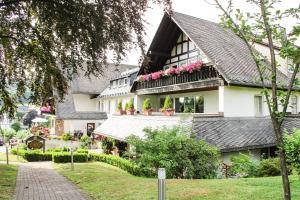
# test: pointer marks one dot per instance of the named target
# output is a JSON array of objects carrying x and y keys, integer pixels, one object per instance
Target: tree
[
  {"x": 264, "y": 26},
  {"x": 44, "y": 43},
  {"x": 174, "y": 149}
]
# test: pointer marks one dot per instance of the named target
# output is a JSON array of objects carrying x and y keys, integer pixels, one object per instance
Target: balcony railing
[{"x": 204, "y": 73}]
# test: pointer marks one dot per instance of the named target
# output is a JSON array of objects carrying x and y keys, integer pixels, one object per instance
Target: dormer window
[{"x": 125, "y": 81}]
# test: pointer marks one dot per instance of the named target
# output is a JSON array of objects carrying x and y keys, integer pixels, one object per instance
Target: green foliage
[
  {"x": 8, "y": 133},
  {"x": 33, "y": 49},
  {"x": 107, "y": 145},
  {"x": 168, "y": 104},
  {"x": 147, "y": 104},
  {"x": 85, "y": 142},
  {"x": 130, "y": 105},
  {"x": 67, "y": 136},
  {"x": 22, "y": 134},
  {"x": 82, "y": 151},
  {"x": 269, "y": 167},
  {"x": 292, "y": 149},
  {"x": 122, "y": 163},
  {"x": 119, "y": 107},
  {"x": 37, "y": 155},
  {"x": 243, "y": 166},
  {"x": 16, "y": 126},
  {"x": 173, "y": 149},
  {"x": 63, "y": 157},
  {"x": 126, "y": 106}
]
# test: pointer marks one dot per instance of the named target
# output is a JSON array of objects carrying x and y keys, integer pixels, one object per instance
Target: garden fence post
[
  {"x": 7, "y": 155},
  {"x": 161, "y": 183},
  {"x": 72, "y": 161}
]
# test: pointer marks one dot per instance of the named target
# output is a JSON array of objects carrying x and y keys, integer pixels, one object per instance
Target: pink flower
[
  {"x": 156, "y": 75},
  {"x": 170, "y": 71},
  {"x": 194, "y": 66},
  {"x": 140, "y": 78},
  {"x": 147, "y": 77},
  {"x": 181, "y": 69}
]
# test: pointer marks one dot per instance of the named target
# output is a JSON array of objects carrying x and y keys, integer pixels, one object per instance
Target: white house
[
  {"x": 217, "y": 87},
  {"x": 80, "y": 110}
]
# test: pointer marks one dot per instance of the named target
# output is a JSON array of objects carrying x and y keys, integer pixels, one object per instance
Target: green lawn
[
  {"x": 103, "y": 181},
  {"x": 8, "y": 175},
  {"x": 11, "y": 158}
]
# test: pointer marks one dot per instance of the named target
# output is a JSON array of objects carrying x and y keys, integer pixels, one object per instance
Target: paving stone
[{"x": 38, "y": 181}]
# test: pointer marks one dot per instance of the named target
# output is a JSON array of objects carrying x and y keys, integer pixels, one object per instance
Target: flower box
[
  {"x": 130, "y": 112},
  {"x": 168, "y": 112},
  {"x": 147, "y": 112}
]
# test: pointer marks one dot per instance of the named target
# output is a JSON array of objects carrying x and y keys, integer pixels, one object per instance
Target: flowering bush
[
  {"x": 171, "y": 71},
  {"x": 156, "y": 75}
]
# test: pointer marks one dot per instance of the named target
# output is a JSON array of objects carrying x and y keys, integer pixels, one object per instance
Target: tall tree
[
  {"x": 44, "y": 42},
  {"x": 264, "y": 26}
]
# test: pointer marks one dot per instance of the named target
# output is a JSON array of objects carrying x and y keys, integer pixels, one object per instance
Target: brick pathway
[{"x": 38, "y": 181}]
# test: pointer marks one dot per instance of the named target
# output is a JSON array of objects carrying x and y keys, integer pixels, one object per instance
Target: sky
[{"x": 201, "y": 9}]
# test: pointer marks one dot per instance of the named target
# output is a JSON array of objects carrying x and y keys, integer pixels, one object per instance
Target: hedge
[
  {"x": 63, "y": 157},
  {"x": 37, "y": 155},
  {"x": 122, "y": 163}
]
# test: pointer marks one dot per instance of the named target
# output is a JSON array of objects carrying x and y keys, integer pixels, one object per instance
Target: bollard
[
  {"x": 72, "y": 161},
  {"x": 161, "y": 183},
  {"x": 7, "y": 155}
]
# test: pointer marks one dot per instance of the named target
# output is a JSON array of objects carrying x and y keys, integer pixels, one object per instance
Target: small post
[
  {"x": 72, "y": 161},
  {"x": 18, "y": 151},
  {"x": 161, "y": 183},
  {"x": 7, "y": 162}
]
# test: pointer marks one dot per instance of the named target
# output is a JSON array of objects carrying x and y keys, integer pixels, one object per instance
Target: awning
[{"x": 120, "y": 127}]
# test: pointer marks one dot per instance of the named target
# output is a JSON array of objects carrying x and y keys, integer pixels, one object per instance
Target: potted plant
[
  {"x": 130, "y": 107},
  {"x": 147, "y": 107},
  {"x": 168, "y": 107},
  {"x": 119, "y": 108}
]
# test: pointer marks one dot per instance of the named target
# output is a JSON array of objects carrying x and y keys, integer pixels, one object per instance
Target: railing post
[{"x": 161, "y": 183}]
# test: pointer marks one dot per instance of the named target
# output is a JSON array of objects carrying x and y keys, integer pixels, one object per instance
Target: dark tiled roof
[
  {"x": 66, "y": 110},
  {"x": 229, "y": 52},
  {"x": 233, "y": 134}
]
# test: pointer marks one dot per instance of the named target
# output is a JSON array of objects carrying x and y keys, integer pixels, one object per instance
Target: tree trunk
[{"x": 283, "y": 165}]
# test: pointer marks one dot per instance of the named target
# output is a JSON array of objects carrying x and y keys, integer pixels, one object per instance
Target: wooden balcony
[{"x": 206, "y": 73}]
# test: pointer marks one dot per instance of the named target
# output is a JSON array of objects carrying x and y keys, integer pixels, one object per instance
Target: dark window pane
[
  {"x": 199, "y": 104},
  {"x": 189, "y": 106},
  {"x": 161, "y": 102},
  {"x": 179, "y": 104}
]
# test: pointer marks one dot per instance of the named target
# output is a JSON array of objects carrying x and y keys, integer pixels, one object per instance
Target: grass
[
  {"x": 11, "y": 158},
  {"x": 103, "y": 181},
  {"x": 8, "y": 175}
]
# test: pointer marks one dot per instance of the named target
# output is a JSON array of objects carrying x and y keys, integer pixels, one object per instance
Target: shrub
[
  {"x": 243, "y": 165},
  {"x": 16, "y": 126},
  {"x": 67, "y": 136},
  {"x": 269, "y": 167},
  {"x": 22, "y": 134},
  {"x": 292, "y": 149},
  {"x": 37, "y": 155},
  {"x": 168, "y": 104},
  {"x": 107, "y": 145},
  {"x": 16, "y": 151},
  {"x": 130, "y": 105},
  {"x": 119, "y": 107},
  {"x": 122, "y": 163},
  {"x": 85, "y": 142},
  {"x": 64, "y": 157},
  {"x": 82, "y": 151},
  {"x": 8, "y": 134},
  {"x": 147, "y": 104},
  {"x": 173, "y": 149}
]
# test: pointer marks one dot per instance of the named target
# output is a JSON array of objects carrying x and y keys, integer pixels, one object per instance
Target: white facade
[
  {"x": 83, "y": 103},
  {"x": 74, "y": 125},
  {"x": 109, "y": 104}
]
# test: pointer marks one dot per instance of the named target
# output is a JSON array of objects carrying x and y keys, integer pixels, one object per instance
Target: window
[
  {"x": 191, "y": 104},
  {"x": 166, "y": 67},
  {"x": 191, "y": 45},
  {"x": 258, "y": 106},
  {"x": 114, "y": 84},
  {"x": 179, "y": 49},
  {"x": 161, "y": 102},
  {"x": 294, "y": 104},
  {"x": 125, "y": 81},
  {"x": 183, "y": 63},
  {"x": 184, "y": 47}
]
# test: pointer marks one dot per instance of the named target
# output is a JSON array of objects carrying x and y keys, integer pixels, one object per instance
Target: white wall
[
  {"x": 110, "y": 103},
  {"x": 239, "y": 102},
  {"x": 266, "y": 52},
  {"x": 82, "y": 102},
  {"x": 72, "y": 125}
]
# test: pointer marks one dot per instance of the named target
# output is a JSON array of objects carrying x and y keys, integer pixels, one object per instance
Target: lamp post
[
  {"x": 72, "y": 161},
  {"x": 6, "y": 148},
  {"x": 161, "y": 183}
]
